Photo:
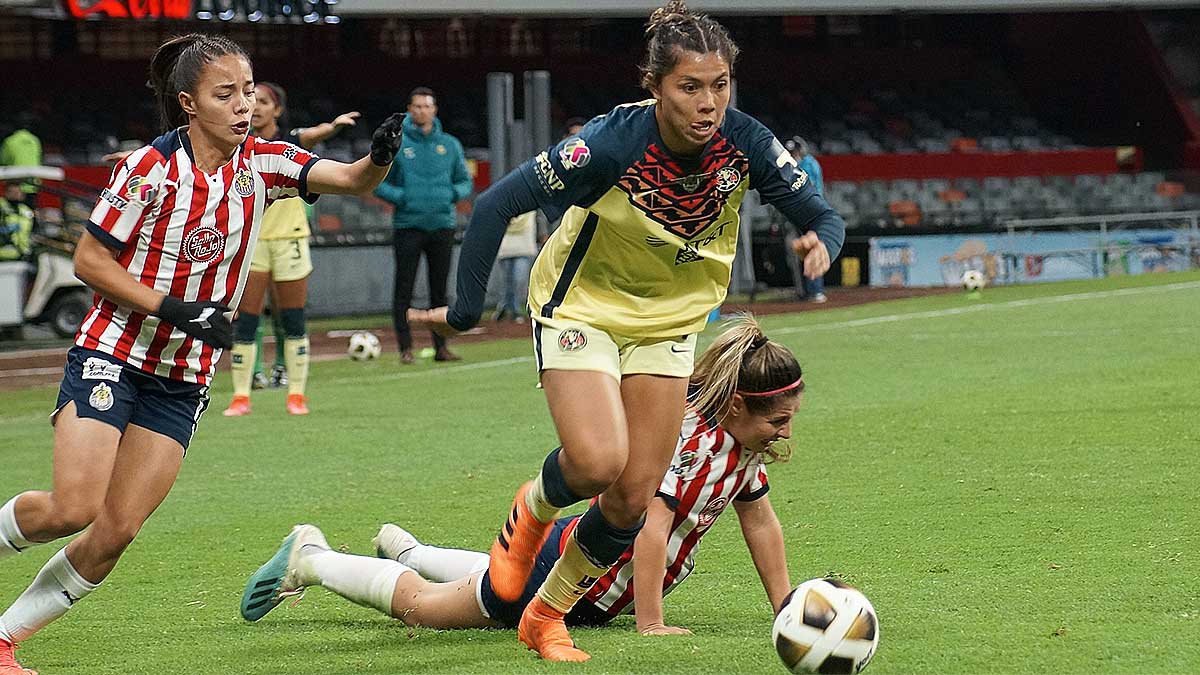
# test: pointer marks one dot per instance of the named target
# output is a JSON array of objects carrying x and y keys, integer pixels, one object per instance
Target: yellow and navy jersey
[
  {"x": 647, "y": 239},
  {"x": 286, "y": 218}
]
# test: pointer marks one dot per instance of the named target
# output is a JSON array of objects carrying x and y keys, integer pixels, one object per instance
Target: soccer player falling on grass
[
  {"x": 649, "y": 198},
  {"x": 167, "y": 252},
  {"x": 744, "y": 392}
]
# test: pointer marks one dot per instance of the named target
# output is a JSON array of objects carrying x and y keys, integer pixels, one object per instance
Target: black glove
[
  {"x": 385, "y": 142},
  {"x": 204, "y": 320}
]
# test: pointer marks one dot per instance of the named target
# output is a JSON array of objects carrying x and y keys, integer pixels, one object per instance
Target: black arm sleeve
[{"x": 505, "y": 200}]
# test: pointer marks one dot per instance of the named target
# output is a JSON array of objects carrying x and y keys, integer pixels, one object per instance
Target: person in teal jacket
[{"x": 428, "y": 177}]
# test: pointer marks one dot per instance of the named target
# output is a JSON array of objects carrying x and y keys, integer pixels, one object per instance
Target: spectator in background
[
  {"x": 16, "y": 224},
  {"x": 810, "y": 289},
  {"x": 573, "y": 126},
  {"x": 517, "y": 251},
  {"x": 22, "y": 148},
  {"x": 427, "y": 179}
]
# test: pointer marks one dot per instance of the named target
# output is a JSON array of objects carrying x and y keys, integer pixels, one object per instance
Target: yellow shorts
[
  {"x": 562, "y": 344},
  {"x": 285, "y": 259}
]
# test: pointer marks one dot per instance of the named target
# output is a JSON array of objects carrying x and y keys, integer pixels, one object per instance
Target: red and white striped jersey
[
  {"x": 709, "y": 470},
  {"x": 188, "y": 234}
]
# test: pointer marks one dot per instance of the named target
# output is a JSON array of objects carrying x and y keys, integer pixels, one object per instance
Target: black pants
[{"x": 437, "y": 245}]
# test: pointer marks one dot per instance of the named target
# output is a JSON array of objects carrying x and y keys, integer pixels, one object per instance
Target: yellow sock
[
  {"x": 539, "y": 506},
  {"x": 241, "y": 359},
  {"x": 571, "y": 577},
  {"x": 295, "y": 357}
]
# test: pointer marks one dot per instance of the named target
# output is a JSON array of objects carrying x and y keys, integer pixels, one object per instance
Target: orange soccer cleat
[
  {"x": 543, "y": 630},
  {"x": 239, "y": 406},
  {"x": 297, "y": 404},
  {"x": 516, "y": 549},
  {"x": 8, "y": 662}
]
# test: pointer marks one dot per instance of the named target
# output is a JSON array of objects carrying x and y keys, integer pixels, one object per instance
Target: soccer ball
[
  {"x": 826, "y": 626},
  {"x": 364, "y": 346},
  {"x": 972, "y": 280}
]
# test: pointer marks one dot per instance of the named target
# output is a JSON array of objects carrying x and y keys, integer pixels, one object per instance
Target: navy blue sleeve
[
  {"x": 499, "y": 204},
  {"x": 782, "y": 184},
  {"x": 570, "y": 173}
]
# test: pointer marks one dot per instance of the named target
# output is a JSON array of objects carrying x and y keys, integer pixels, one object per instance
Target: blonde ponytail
[{"x": 716, "y": 374}]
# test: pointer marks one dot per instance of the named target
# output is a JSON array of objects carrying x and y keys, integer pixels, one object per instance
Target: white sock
[
  {"x": 55, "y": 588},
  {"x": 12, "y": 541},
  {"x": 444, "y": 564},
  {"x": 366, "y": 581}
]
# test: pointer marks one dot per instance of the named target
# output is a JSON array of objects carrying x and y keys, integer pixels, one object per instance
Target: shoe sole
[{"x": 262, "y": 589}]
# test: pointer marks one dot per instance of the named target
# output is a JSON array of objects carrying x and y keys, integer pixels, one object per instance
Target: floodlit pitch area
[{"x": 1010, "y": 480}]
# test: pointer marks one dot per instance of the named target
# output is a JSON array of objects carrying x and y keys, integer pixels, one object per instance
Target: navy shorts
[
  {"x": 509, "y": 613},
  {"x": 106, "y": 388}
]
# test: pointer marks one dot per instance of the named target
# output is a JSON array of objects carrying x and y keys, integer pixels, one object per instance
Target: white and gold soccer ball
[
  {"x": 826, "y": 626},
  {"x": 972, "y": 280},
  {"x": 364, "y": 346}
]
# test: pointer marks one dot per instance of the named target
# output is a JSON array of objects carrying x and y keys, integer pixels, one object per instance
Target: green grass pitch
[{"x": 1011, "y": 480}]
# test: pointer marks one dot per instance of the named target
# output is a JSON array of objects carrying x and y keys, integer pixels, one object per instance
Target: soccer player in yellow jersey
[
  {"x": 281, "y": 257},
  {"x": 649, "y": 197}
]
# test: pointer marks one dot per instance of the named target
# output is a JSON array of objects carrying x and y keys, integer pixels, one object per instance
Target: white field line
[
  {"x": 953, "y": 311},
  {"x": 834, "y": 325}
]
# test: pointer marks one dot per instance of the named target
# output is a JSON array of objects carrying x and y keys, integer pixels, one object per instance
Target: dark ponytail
[
  {"x": 674, "y": 28},
  {"x": 280, "y": 96},
  {"x": 177, "y": 65}
]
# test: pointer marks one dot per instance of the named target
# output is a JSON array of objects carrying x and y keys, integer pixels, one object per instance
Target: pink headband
[{"x": 773, "y": 392}]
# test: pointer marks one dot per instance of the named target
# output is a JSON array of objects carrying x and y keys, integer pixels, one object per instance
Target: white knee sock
[
  {"x": 12, "y": 541},
  {"x": 444, "y": 564},
  {"x": 55, "y": 588},
  {"x": 369, "y": 582}
]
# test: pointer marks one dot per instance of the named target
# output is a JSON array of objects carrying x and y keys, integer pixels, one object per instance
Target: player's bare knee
[
  {"x": 70, "y": 515},
  {"x": 113, "y": 535},
  {"x": 590, "y": 470},
  {"x": 623, "y": 508}
]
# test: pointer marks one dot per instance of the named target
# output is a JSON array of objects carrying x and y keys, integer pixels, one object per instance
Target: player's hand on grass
[
  {"x": 346, "y": 119},
  {"x": 385, "y": 142},
  {"x": 662, "y": 629},
  {"x": 433, "y": 319},
  {"x": 814, "y": 253}
]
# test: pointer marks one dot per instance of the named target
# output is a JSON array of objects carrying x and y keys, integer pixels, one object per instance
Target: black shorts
[
  {"x": 509, "y": 613},
  {"x": 106, "y": 388}
]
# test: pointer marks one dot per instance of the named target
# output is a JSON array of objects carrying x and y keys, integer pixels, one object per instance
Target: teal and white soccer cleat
[
  {"x": 394, "y": 542},
  {"x": 279, "y": 577}
]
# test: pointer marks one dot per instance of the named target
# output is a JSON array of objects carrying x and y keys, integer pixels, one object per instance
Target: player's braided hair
[
  {"x": 742, "y": 360},
  {"x": 177, "y": 66},
  {"x": 674, "y": 28}
]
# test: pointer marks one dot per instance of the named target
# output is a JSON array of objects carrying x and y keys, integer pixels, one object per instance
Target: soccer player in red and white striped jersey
[
  {"x": 167, "y": 252},
  {"x": 745, "y": 391}
]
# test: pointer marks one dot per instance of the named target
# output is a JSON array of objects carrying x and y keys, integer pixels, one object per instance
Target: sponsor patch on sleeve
[
  {"x": 546, "y": 174},
  {"x": 118, "y": 202},
  {"x": 575, "y": 154}
]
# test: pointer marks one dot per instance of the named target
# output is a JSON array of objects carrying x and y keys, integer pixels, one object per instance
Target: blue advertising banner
[{"x": 941, "y": 259}]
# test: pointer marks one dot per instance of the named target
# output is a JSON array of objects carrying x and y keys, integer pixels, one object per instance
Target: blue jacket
[
  {"x": 812, "y": 167},
  {"x": 427, "y": 178}
]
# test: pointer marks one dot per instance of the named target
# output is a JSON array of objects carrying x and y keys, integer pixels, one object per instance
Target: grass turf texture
[{"x": 1008, "y": 479}]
